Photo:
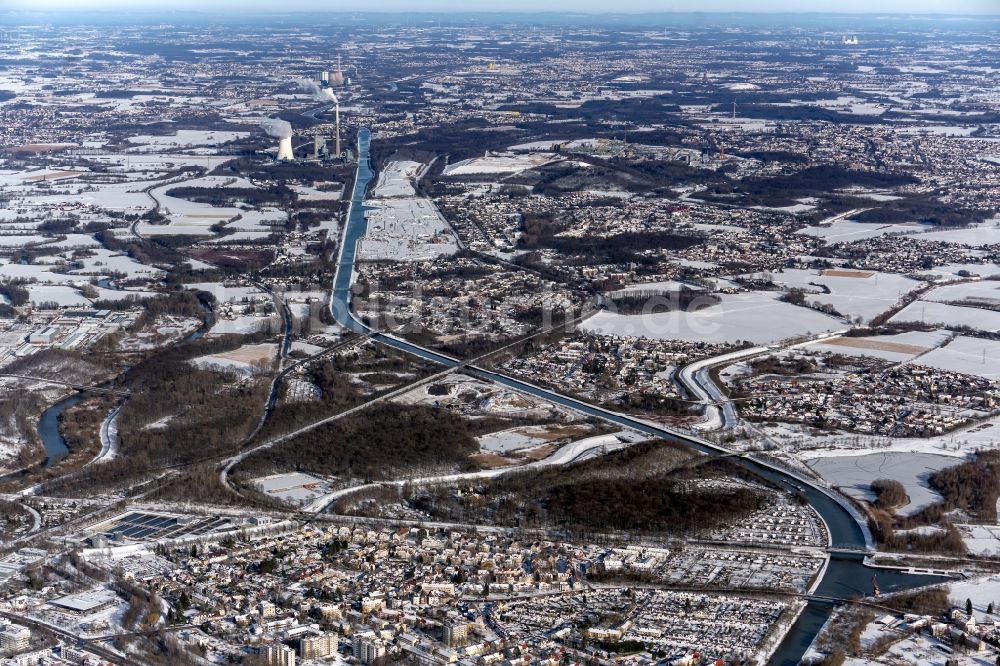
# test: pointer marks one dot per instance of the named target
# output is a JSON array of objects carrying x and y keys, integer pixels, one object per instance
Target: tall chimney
[{"x": 338, "y": 128}]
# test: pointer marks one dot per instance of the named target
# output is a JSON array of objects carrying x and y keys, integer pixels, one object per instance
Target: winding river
[{"x": 845, "y": 577}]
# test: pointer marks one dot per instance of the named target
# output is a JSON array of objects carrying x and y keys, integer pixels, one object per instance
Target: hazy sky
[{"x": 903, "y": 6}]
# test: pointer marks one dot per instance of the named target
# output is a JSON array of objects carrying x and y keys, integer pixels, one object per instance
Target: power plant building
[{"x": 285, "y": 152}]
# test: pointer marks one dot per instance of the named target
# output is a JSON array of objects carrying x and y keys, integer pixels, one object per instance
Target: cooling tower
[{"x": 285, "y": 149}]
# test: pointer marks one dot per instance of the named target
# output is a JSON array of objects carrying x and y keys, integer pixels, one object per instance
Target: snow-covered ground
[
  {"x": 863, "y": 294},
  {"x": 985, "y": 292},
  {"x": 104, "y": 262},
  {"x": 846, "y": 231},
  {"x": 226, "y": 293},
  {"x": 983, "y": 591},
  {"x": 498, "y": 164},
  {"x": 248, "y": 359},
  {"x": 56, "y": 293},
  {"x": 987, "y": 233},
  {"x": 242, "y": 325},
  {"x": 396, "y": 180},
  {"x": 405, "y": 229},
  {"x": 899, "y": 347},
  {"x": 511, "y": 440},
  {"x": 949, "y": 271},
  {"x": 972, "y": 356},
  {"x": 757, "y": 317},
  {"x": 812, "y": 444},
  {"x": 186, "y": 138},
  {"x": 929, "y": 312},
  {"x": 854, "y": 475},
  {"x": 658, "y": 287},
  {"x": 981, "y": 540}
]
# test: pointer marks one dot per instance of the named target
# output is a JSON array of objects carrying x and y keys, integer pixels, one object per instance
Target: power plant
[
  {"x": 281, "y": 130},
  {"x": 336, "y": 78},
  {"x": 285, "y": 152}
]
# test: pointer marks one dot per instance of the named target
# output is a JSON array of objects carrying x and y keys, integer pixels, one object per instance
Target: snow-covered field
[
  {"x": 949, "y": 271},
  {"x": 499, "y": 164},
  {"x": 981, "y": 540},
  {"x": 56, "y": 293},
  {"x": 405, "y": 229},
  {"x": 248, "y": 359},
  {"x": 986, "y": 292},
  {"x": 854, "y": 475},
  {"x": 667, "y": 286},
  {"x": 928, "y": 312},
  {"x": 863, "y": 294},
  {"x": 187, "y": 138},
  {"x": 396, "y": 180},
  {"x": 971, "y": 356},
  {"x": 228, "y": 293},
  {"x": 982, "y": 591},
  {"x": 757, "y": 317},
  {"x": 242, "y": 325},
  {"x": 986, "y": 234},
  {"x": 899, "y": 347},
  {"x": 104, "y": 262},
  {"x": 846, "y": 231}
]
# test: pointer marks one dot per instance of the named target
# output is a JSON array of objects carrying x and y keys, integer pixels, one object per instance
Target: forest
[
  {"x": 648, "y": 301},
  {"x": 652, "y": 487},
  {"x": 379, "y": 443}
]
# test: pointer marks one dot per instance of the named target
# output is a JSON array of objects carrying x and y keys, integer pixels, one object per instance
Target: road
[
  {"x": 720, "y": 414},
  {"x": 59, "y": 382},
  {"x": 696, "y": 378}
]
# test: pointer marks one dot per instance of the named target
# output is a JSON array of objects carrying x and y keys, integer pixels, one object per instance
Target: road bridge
[{"x": 72, "y": 385}]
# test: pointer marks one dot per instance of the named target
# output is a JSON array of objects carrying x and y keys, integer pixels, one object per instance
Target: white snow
[
  {"x": 61, "y": 294},
  {"x": 186, "y": 138},
  {"x": 846, "y": 231},
  {"x": 757, "y": 317},
  {"x": 405, "y": 229},
  {"x": 985, "y": 292},
  {"x": 497, "y": 164},
  {"x": 242, "y": 325},
  {"x": 396, "y": 180},
  {"x": 863, "y": 294},
  {"x": 899, "y": 347},
  {"x": 971, "y": 356},
  {"x": 952, "y": 315},
  {"x": 854, "y": 475}
]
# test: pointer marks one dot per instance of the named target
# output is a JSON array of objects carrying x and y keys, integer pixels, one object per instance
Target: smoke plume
[
  {"x": 318, "y": 93},
  {"x": 280, "y": 129}
]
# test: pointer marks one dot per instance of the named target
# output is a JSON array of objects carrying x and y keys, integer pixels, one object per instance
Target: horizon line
[{"x": 523, "y": 12}]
